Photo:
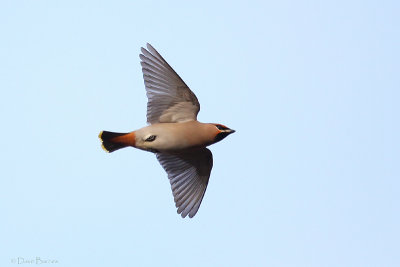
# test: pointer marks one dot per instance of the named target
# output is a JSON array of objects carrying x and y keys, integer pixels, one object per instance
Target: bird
[{"x": 174, "y": 134}]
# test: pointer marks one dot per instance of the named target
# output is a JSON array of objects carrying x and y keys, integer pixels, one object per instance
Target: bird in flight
[{"x": 174, "y": 134}]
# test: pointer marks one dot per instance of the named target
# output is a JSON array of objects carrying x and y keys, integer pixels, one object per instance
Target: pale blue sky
[{"x": 310, "y": 178}]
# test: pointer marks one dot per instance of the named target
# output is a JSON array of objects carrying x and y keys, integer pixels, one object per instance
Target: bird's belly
[
  {"x": 177, "y": 140},
  {"x": 169, "y": 143}
]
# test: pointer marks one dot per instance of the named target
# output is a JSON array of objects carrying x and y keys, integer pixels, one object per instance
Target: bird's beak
[
  {"x": 222, "y": 134},
  {"x": 228, "y": 131}
]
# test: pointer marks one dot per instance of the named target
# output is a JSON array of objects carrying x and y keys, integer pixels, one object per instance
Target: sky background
[{"x": 310, "y": 178}]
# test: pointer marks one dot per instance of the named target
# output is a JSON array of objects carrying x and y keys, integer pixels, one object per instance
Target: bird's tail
[{"x": 113, "y": 141}]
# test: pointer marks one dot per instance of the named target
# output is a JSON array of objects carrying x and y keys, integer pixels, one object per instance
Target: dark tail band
[{"x": 114, "y": 141}]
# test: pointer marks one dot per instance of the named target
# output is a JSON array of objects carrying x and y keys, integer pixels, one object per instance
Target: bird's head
[{"x": 222, "y": 132}]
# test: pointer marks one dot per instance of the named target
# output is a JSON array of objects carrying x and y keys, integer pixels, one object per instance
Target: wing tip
[
  {"x": 149, "y": 46},
  {"x": 191, "y": 213}
]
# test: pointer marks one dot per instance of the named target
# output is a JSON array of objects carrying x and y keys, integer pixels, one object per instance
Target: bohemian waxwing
[{"x": 174, "y": 134}]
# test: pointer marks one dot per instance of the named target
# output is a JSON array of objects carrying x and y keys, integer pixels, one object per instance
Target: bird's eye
[{"x": 151, "y": 138}]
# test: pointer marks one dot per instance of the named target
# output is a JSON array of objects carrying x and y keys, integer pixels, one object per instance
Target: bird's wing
[
  {"x": 188, "y": 174},
  {"x": 169, "y": 98}
]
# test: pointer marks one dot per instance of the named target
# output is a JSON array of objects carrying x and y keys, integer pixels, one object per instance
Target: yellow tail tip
[
  {"x": 111, "y": 141},
  {"x": 102, "y": 144}
]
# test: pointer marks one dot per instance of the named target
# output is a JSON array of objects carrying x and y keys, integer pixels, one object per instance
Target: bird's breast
[{"x": 178, "y": 136}]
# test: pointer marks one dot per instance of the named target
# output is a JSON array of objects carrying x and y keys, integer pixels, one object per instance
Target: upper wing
[
  {"x": 188, "y": 174},
  {"x": 169, "y": 98}
]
